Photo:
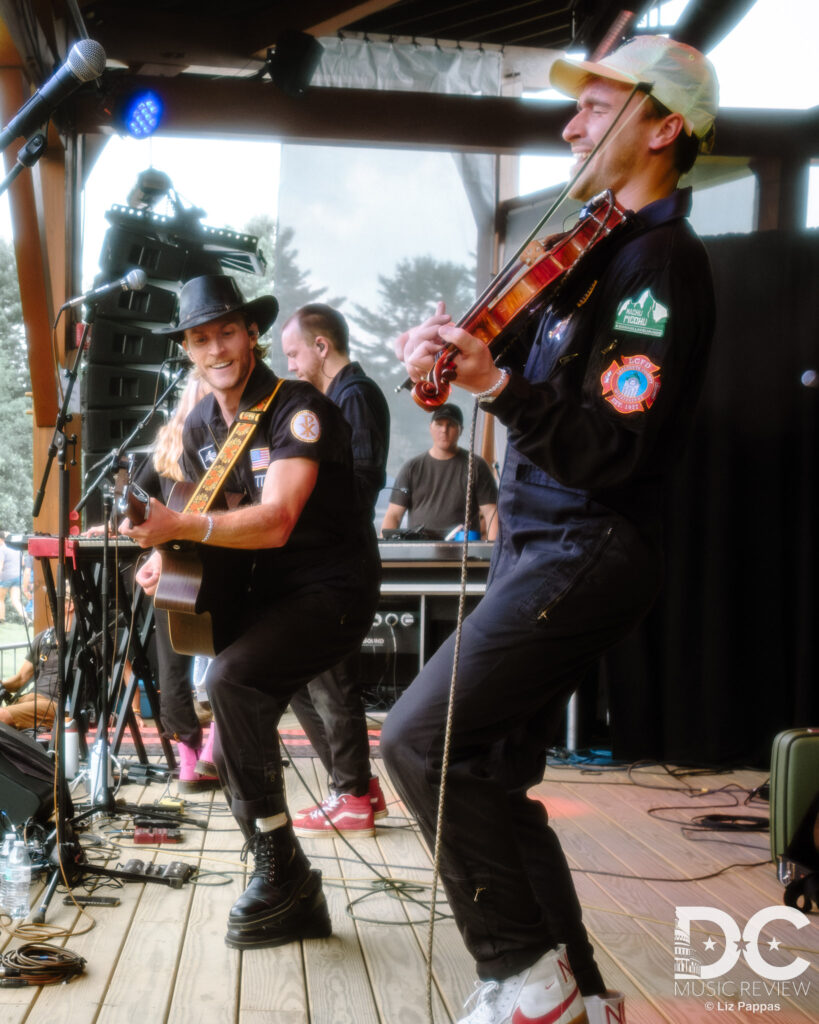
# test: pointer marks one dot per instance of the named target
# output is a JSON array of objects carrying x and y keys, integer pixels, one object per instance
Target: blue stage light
[{"x": 142, "y": 114}]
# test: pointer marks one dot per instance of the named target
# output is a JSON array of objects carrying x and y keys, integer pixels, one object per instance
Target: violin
[{"x": 530, "y": 280}]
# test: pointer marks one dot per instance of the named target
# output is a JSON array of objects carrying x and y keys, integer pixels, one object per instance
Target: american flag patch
[{"x": 259, "y": 458}]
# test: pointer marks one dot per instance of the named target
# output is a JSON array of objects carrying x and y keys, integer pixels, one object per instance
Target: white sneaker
[
  {"x": 545, "y": 993},
  {"x": 607, "y": 1009}
]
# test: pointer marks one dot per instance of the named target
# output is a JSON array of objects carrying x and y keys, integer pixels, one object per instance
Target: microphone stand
[
  {"x": 27, "y": 157},
  {"x": 67, "y": 855},
  {"x": 102, "y": 799}
]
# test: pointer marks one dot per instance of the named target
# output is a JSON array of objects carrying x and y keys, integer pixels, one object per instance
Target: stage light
[
  {"x": 141, "y": 113},
  {"x": 293, "y": 63}
]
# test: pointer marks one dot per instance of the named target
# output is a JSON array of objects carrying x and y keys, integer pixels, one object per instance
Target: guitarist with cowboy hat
[{"x": 308, "y": 567}]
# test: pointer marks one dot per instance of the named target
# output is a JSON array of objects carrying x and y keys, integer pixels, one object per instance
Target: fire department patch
[
  {"x": 305, "y": 426},
  {"x": 631, "y": 386}
]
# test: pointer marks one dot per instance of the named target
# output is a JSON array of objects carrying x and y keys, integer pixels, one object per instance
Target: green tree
[
  {"x": 15, "y": 421},
  {"x": 408, "y": 297},
  {"x": 284, "y": 278}
]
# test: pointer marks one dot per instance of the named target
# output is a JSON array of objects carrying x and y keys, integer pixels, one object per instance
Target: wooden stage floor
[{"x": 160, "y": 956}]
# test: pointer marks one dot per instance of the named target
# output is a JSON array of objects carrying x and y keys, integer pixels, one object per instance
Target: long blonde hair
[{"x": 168, "y": 442}]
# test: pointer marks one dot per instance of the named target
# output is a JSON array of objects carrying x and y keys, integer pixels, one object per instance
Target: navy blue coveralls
[
  {"x": 306, "y": 605},
  {"x": 594, "y": 421},
  {"x": 330, "y": 708}
]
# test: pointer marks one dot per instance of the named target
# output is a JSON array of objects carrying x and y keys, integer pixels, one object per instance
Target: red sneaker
[
  {"x": 377, "y": 799},
  {"x": 341, "y": 812}
]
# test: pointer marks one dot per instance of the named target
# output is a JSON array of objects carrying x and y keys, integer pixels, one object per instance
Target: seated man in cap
[
  {"x": 431, "y": 487},
  {"x": 309, "y": 589},
  {"x": 24, "y": 706},
  {"x": 597, "y": 395}
]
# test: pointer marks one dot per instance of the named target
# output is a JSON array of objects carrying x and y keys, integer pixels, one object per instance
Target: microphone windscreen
[
  {"x": 136, "y": 279},
  {"x": 86, "y": 60}
]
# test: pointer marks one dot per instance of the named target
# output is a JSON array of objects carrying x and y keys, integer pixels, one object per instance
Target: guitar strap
[{"x": 235, "y": 443}]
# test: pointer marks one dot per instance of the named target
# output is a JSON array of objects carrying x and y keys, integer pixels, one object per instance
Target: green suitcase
[{"x": 794, "y": 787}]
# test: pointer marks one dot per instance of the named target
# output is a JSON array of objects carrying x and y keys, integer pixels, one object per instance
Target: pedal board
[
  {"x": 157, "y": 835},
  {"x": 177, "y": 872}
]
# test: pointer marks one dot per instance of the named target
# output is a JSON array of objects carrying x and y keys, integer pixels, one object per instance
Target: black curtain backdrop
[{"x": 727, "y": 657}]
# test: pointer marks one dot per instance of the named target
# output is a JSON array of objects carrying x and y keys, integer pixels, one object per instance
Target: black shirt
[
  {"x": 329, "y": 544},
  {"x": 597, "y": 417},
  {"x": 364, "y": 407}
]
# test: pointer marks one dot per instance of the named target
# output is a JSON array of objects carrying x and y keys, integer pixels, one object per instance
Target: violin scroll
[{"x": 434, "y": 389}]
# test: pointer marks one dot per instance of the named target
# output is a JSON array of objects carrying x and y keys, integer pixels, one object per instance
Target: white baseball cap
[{"x": 681, "y": 78}]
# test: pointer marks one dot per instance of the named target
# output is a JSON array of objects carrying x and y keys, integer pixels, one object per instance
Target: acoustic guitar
[{"x": 202, "y": 588}]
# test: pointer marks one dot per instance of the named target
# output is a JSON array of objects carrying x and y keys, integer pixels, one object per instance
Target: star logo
[{"x": 709, "y": 943}]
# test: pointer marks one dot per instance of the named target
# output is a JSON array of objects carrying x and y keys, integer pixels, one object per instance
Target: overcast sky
[{"x": 414, "y": 202}]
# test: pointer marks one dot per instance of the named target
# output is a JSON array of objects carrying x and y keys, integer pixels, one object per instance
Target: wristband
[
  {"x": 484, "y": 395},
  {"x": 209, "y": 530}
]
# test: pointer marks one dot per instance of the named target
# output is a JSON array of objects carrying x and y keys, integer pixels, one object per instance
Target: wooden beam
[
  {"x": 32, "y": 266},
  {"x": 37, "y": 205},
  {"x": 239, "y": 108},
  {"x": 169, "y": 42},
  {"x": 318, "y": 17}
]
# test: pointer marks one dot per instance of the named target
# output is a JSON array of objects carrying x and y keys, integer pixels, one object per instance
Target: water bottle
[
  {"x": 71, "y": 747},
  {"x": 19, "y": 881},
  {"x": 5, "y": 850}
]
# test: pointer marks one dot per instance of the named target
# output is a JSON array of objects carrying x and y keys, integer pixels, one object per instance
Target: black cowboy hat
[{"x": 211, "y": 296}]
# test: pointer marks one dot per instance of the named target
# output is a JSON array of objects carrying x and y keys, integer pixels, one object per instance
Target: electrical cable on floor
[
  {"x": 38, "y": 964},
  {"x": 401, "y": 889},
  {"x": 692, "y": 878}
]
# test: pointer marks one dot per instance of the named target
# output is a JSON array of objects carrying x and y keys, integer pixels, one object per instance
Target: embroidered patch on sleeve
[
  {"x": 208, "y": 455},
  {"x": 305, "y": 426},
  {"x": 259, "y": 458},
  {"x": 631, "y": 386},
  {"x": 643, "y": 315}
]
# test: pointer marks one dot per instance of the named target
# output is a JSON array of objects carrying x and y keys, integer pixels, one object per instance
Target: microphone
[
  {"x": 134, "y": 281},
  {"x": 175, "y": 369},
  {"x": 85, "y": 62}
]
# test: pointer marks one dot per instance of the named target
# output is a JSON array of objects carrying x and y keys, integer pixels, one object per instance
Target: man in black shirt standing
[
  {"x": 308, "y": 588},
  {"x": 330, "y": 708}
]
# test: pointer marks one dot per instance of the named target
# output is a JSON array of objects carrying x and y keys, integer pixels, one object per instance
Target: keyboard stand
[{"x": 129, "y": 634}]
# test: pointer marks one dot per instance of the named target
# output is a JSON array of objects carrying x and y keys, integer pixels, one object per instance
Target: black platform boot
[{"x": 284, "y": 901}]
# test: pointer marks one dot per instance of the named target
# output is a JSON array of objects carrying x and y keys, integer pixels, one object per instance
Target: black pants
[
  {"x": 330, "y": 709},
  {"x": 523, "y": 651},
  {"x": 175, "y": 679},
  {"x": 250, "y": 683}
]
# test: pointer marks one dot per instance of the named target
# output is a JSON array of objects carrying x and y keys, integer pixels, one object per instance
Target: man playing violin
[
  {"x": 597, "y": 397},
  {"x": 310, "y": 592}
]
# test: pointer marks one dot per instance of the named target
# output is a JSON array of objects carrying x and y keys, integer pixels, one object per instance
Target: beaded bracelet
[
  {"x": 504, "y": 373},
  {"x": 209, "y": 530}
]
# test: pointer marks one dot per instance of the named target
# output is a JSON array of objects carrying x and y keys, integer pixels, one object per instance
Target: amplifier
[
  {"x": 389, "y": 656},
  {"x": 393, "y": 631}
]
